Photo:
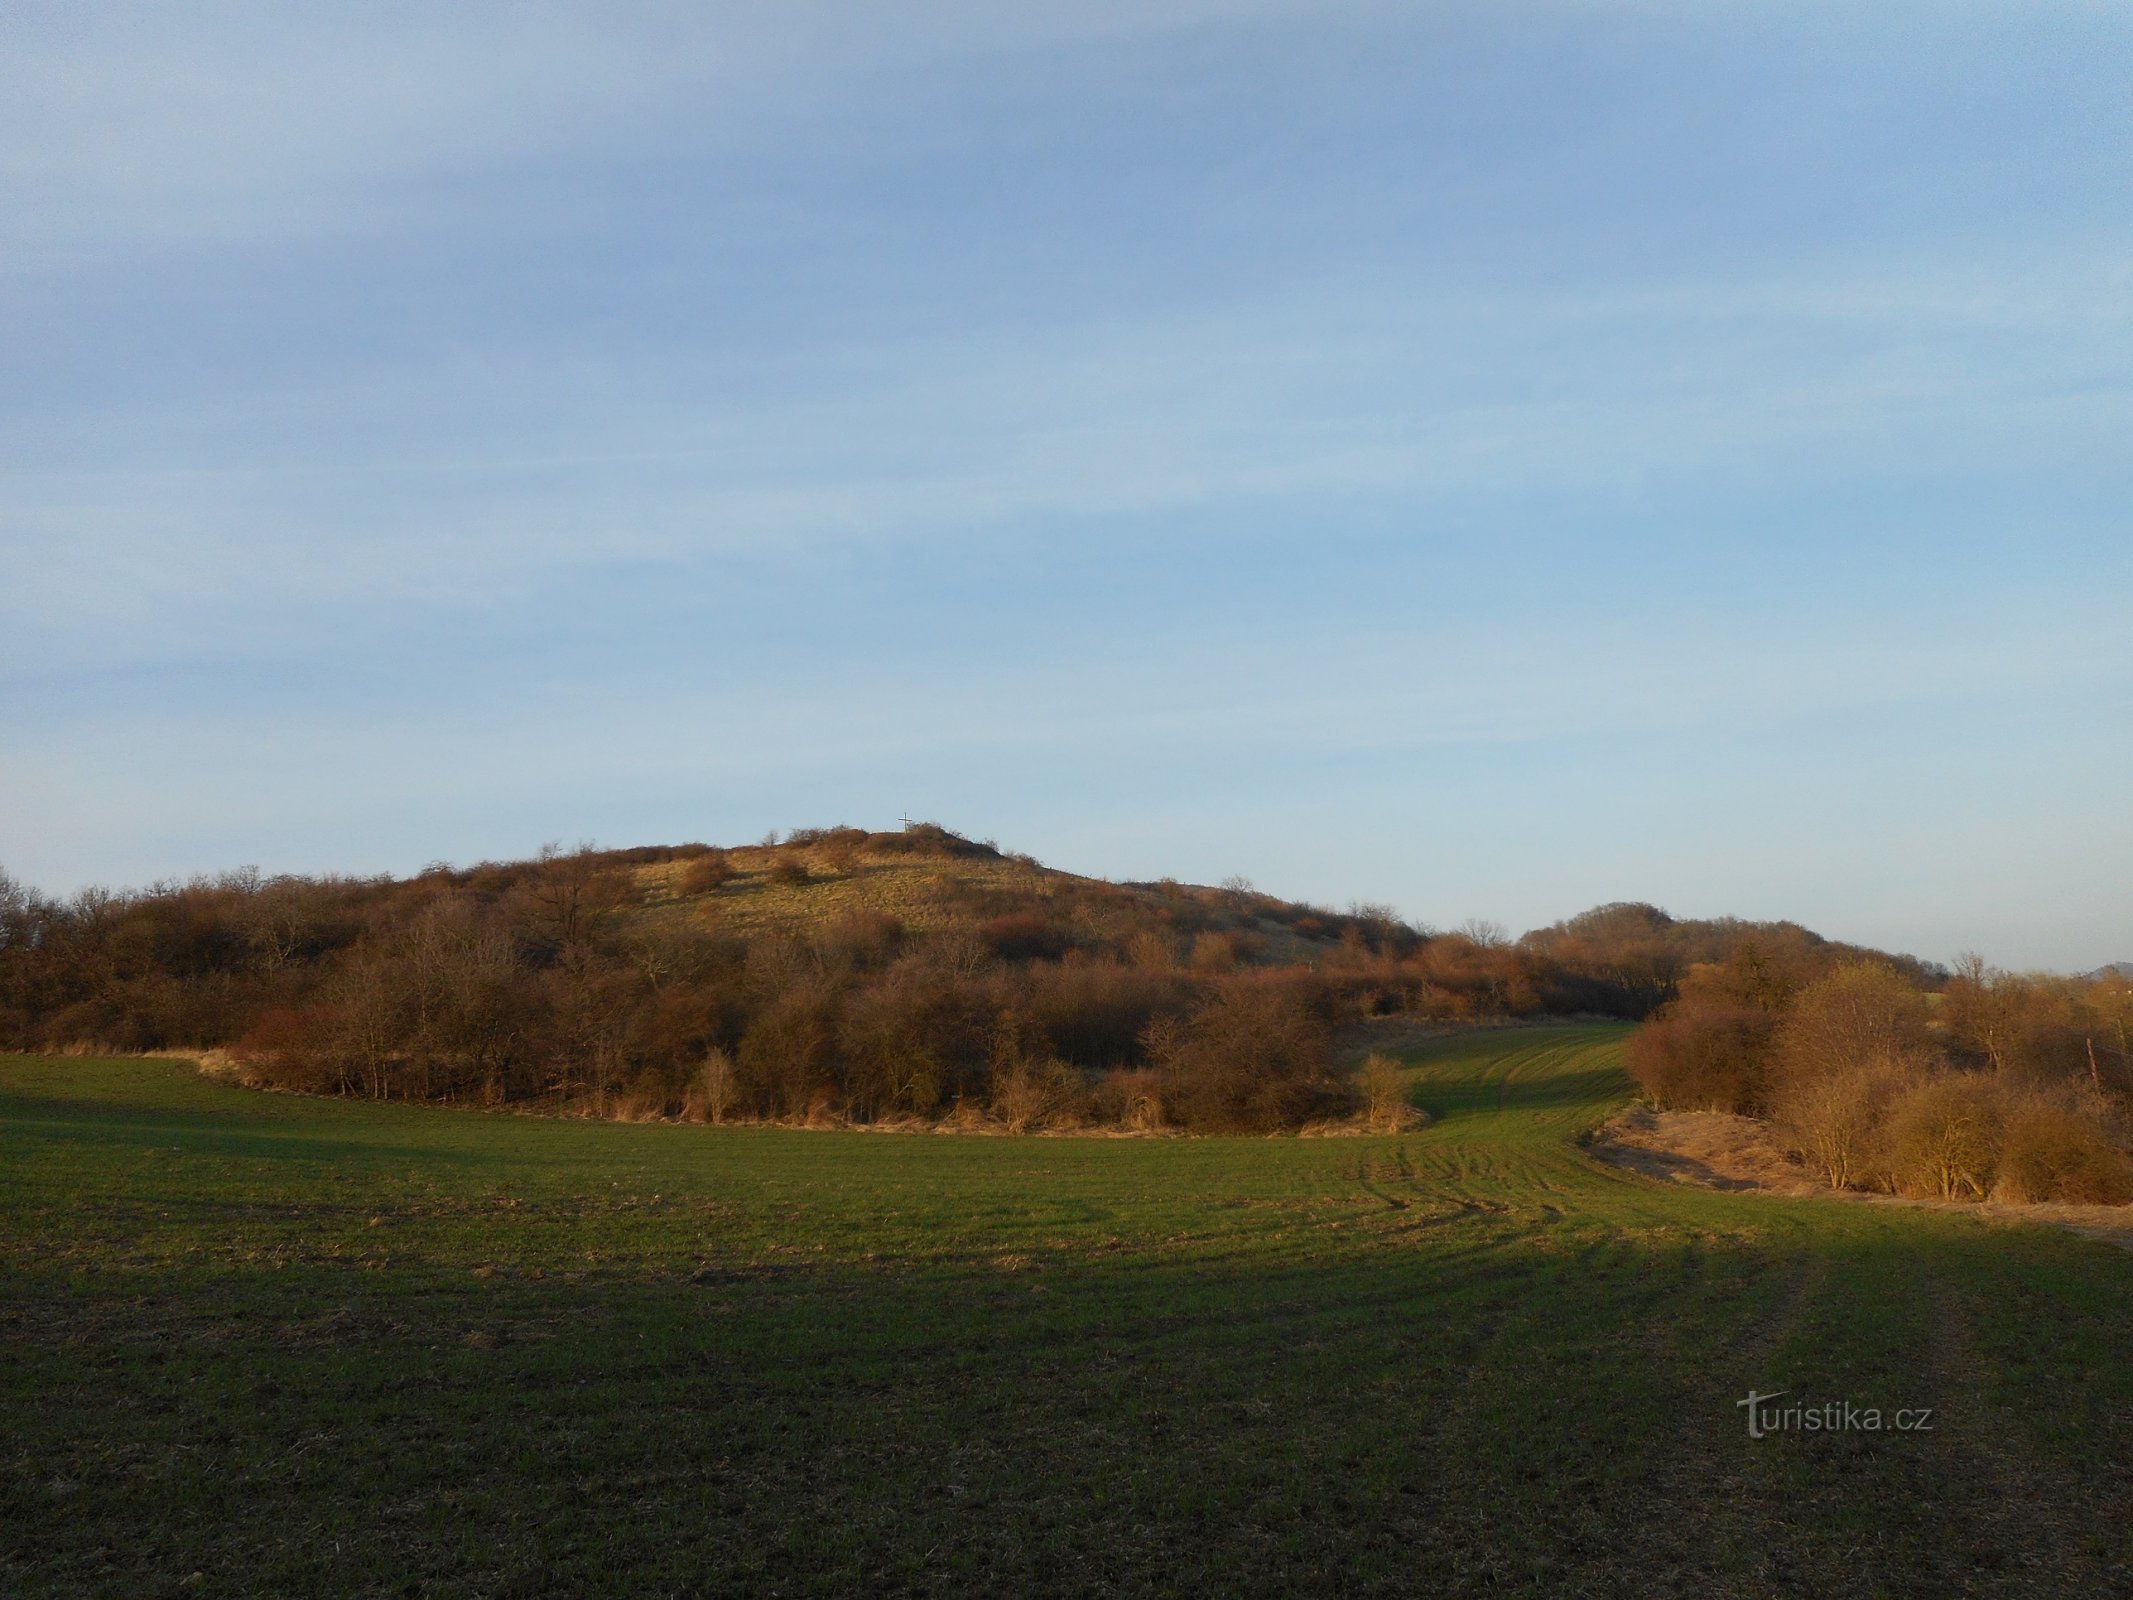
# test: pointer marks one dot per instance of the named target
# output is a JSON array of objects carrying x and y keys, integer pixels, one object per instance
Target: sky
[{"x": 1491, "y": 459}]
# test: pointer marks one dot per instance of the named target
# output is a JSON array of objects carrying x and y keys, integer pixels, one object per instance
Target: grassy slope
[
  {"x": 919, "y": 889},
  {"x": 927, "y": 893},
  {"x": 1464, "y": 1360}
]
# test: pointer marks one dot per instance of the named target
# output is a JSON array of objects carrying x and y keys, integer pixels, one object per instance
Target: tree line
[
  {"x": 741, "y": 983},
  {"x": 1984, "y": 1084}
]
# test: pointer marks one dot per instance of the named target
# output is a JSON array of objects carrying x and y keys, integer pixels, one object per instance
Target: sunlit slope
[{"x": 325, "y": 1347}]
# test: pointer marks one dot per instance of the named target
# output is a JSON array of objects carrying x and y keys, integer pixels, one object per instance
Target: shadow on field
[
  {"x": 199, "y": 1137},
  {"x": 1476, "y": 1415}
]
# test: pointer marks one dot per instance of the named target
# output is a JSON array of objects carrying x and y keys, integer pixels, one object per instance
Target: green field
[{"x": 261, "y": 1344}]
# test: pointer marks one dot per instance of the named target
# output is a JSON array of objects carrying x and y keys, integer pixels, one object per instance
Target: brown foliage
[
  {"x": 1024, "y": 936},
  {"x": 926, "y": 839},
  {"x": 1256, "y": 1056},
  {"x": 1460, "y": 979},
  {"x": 1382, "y": 1086},
  {"x": 2052, "y": 1152},
  {"x": 1038, "y": 1094},
  {"x": 908, "y": 1042},
  {"x": 1214, "y": 953},
  {"x": 1093, "y": 1013},
  {"x": 785, "y": 1057},
  {"x": 1862, "y": 1015},
  {"x": 1705, "y": 1059},
  {"x": 1129, "y": 1097},
  {"x": 861, "y": 940},
  {"x": 713, "y": 1090},
  {"x": 1837, "y": 1122},
  {"x": 708, "y": 873},
  {"x": 566, "y": 978},
  {"x": 1944, "y": 1138},
  {"x": 2039, "y": 1030},
  {"x": 285, "y": 1048}
]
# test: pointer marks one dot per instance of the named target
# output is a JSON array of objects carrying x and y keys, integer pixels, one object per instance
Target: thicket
[
  {"x": 1986, "y": 1085},
  {"x": 630, "y": 983}
]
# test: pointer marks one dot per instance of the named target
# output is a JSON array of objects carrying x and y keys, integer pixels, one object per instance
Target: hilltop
[{"x": 933, "y": 882}]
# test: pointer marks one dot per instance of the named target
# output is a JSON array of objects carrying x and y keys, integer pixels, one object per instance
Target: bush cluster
[{"x": 1986, "y": 1085}]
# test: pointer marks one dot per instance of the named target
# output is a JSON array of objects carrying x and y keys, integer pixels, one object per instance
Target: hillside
[
  {"x": 831, "y": 975},
  {"x": 935, "y": 882}
]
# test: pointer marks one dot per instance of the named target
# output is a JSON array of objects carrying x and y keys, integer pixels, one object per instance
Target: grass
[
  {"x": 928, "y": 894},
  {"x": 924, "y": 892},
  {"x": 263, "y": 1345}
]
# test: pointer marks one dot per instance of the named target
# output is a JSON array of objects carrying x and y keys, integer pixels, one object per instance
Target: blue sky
[{"x": 1490, "y": 459}]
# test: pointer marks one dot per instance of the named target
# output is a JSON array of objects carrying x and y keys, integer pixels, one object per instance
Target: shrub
[
  {"x": 789, "y": 870},
  {"x": 926, "y": 839},
  {"x": 1151, "y": 952},
  {"x": 1713, "y": 1060},
  {"x": 1129, "y": 1097},
  {"x": 902, "y": 1040},
  {"x": 287, "y": 1048},
  {"x": 1214, "y": 953},
  {"x": 1093, "y": 1013},
  {"x": 1836, "y": 1121},
  {"x": 1862, "y": 1015},
  {"x": 1023, "y": 936},
  {"x": 785, "y": 1055},
  {"x": 841, "y": 854},
  {"x": 2035, "y": 1029},
  {"x": 861, "y": 938},
  {"x": 1382, "y": 1085},
  {"x": 1255, "y": 1057},
  {"x": 1036, "y": 1094},
  {"x": 644, "y": 1099},
  {"x": 675, "y": 1025},
  {"x": 2051, "y": 1152},
  {"x": 1944, "y": 1138},
  {"x": 1474, "y": 980},
  {"x": 707, "y": 873},
  {"x": 714, "y": 1091}
]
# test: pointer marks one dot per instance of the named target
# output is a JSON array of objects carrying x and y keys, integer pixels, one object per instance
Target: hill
[{"x": 831, "y": 975}]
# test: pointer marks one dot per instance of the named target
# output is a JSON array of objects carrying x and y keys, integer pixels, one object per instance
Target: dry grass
[{"x": 926, "y": 893}]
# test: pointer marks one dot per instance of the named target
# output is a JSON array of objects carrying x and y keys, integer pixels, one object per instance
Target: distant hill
[
  {"x": 831, "y": 973},
  {"x": 2114, "y": 969}
]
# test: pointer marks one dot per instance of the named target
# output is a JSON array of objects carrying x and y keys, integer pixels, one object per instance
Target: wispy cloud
[
  {"x": 232, "y": 124},
  {"x": 1231, "y": 407}
]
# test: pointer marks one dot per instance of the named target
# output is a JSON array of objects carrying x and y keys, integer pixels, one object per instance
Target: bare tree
[
  {"x": 1835, "y": 1120},
  {"x": 1383, "y": 1086},
  {"x": 717, "y": 1090},
  {"x": 1859, "y": 1016}
]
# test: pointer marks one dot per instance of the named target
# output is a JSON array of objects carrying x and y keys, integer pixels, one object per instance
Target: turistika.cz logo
[{"x": 1765, "y": 1417}]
